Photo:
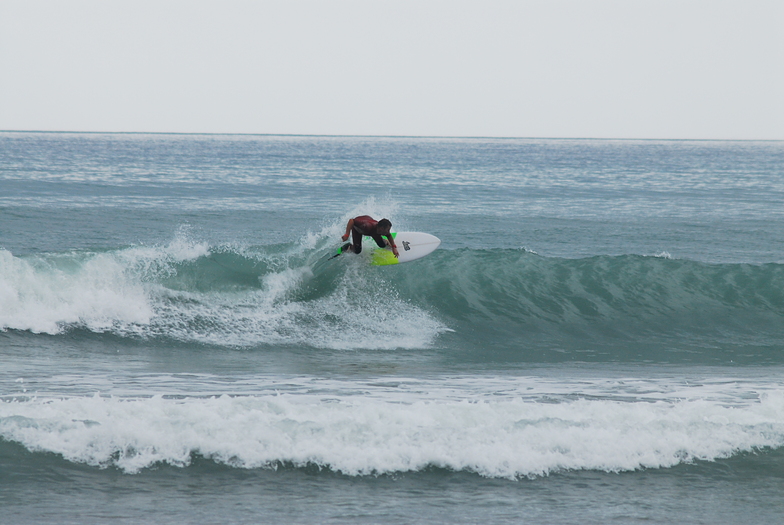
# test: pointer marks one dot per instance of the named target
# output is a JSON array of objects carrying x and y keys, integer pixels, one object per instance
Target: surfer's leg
[
  {"x": 356, "y": 237},
  {"x": 382, "y": 242}
]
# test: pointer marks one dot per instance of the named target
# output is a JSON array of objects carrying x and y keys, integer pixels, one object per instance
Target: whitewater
[{"x": 599, "y": 336}]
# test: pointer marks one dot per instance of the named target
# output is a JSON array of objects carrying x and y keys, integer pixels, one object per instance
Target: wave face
[
  {"x": 510, "y": 303},
  {"x": 625, "y": 307}
]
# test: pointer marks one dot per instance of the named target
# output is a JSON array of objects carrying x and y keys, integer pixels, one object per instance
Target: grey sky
[{"x": 558, "y": 68}]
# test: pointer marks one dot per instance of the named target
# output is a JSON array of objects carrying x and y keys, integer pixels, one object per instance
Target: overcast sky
[{"x": 557, "y": 68}]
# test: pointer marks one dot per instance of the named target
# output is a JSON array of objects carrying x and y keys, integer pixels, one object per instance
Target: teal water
[{"x": 599, "y": 336}]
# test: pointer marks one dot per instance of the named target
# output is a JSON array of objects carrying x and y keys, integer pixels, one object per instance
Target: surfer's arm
[
  {"x": 348, "y": 229},
  {"x": 391, "y": 242}
]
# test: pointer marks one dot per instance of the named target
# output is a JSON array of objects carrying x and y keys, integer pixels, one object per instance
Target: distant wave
[{"x": 296, "y": 295}]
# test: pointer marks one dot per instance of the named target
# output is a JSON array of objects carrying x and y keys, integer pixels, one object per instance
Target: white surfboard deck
[{"x": 410, "y": 245}]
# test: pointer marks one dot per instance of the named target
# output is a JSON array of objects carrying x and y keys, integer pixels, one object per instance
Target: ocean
[{"x": 598, "y": 339}]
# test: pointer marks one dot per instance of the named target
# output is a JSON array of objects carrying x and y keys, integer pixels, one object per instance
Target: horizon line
[{"x": 321, "y": 135}]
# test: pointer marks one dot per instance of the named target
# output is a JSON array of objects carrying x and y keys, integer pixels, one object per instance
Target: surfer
[{"x": 366, "y": 225}]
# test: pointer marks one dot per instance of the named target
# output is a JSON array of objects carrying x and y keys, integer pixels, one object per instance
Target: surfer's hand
[
  {"x": 345, "y": 237},
  {"x": 394, "y": 250}
]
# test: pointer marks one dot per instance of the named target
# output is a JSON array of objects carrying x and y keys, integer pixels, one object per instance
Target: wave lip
[{"x": 506, "y": 438}]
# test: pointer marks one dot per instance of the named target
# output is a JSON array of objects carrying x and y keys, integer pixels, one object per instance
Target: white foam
[
  {"x": 99, "y": 291},
  {"x": 358, "y": 314},
  {"x": 360, "y": 435},
  {"x": 40, "y": 296}
]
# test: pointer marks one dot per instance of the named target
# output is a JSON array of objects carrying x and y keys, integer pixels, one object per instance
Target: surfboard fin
[{"x": 341, "y": 250}]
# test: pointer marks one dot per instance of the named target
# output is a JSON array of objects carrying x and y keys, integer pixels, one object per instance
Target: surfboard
[{"x": 410, "y": 246}]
